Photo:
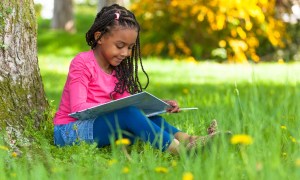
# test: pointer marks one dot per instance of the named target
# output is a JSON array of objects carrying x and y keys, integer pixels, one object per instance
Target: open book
[{"x": 145, "y": 101}]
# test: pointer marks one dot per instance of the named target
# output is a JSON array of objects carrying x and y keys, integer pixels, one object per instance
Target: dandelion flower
[
  {"x": 283, "y": 127},
  {"x": 161, "y": 170},
  {"x": 241, "y": 139},
  {"x": 293, "y": 139},
  {"x": 187, "y": 176},
  {"x": 111, "y": 162},
  {"x": 125, "y": 170},
  {"x": 14, "y": 154},
  {"x": 123, "y": 141},
  {"x": 4, "y": 148},
  {"x": 185, "y": 91}
]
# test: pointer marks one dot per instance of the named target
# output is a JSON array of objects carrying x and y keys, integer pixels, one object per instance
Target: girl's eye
[{"x": 120, "y": 46}]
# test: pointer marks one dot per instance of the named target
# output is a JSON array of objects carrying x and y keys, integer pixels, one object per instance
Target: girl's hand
[{"x": 174, "y": 104}]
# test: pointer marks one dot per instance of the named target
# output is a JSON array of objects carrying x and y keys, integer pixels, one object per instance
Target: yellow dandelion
[
  {"x": 187, "y": 176},
  {"x": 185, "y": 91},
  {"x": 161, "y": 170},
  {"x": 123, "y": 141},
  {"x": 4, "y": 148},
  {"x": 111, "y": 162},
  {"x": 241, "y": 139},
  {"x": 283, "y": 127},
  {"x": 125, "y": 170},
  {"x": 293, "y": 139},
  {"x": 297, "y": 162},
  {"x": 14, "y": 154}
]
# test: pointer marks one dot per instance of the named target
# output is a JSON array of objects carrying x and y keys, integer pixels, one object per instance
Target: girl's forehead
[
  {"x": 126, "y": 34},
  {"x": 121, "y": 28}
]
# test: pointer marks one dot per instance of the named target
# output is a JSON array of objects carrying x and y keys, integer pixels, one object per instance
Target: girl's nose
[{"x": 126, "y": 52}]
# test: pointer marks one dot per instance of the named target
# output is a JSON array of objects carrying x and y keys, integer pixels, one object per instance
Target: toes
[
  {"x": 200, "y": 141},
  {"x": 213, "y": 127}
]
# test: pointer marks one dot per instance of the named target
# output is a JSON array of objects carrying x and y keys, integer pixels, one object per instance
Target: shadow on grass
[
  {"x": 53, "y": 84},
  {"x": 262, "y": 102}
]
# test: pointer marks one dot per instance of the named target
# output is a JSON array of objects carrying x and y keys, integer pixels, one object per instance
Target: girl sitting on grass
[{"x": 107, "y": 72}]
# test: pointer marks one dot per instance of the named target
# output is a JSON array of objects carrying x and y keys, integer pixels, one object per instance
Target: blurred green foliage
[{"x": 63, "y": 43}]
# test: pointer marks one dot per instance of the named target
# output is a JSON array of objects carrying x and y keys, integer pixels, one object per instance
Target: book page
[{"x": 145, "y": 101}]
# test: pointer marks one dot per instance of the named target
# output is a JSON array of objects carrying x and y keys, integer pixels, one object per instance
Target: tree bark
[
  {"x": 102, "y": 3},
  {"x": 22, "y": 98},
  {"x": 63, "y": 15}
]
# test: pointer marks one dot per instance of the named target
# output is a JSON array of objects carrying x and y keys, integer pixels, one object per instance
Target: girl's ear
[{"x": 96, "y": 36}]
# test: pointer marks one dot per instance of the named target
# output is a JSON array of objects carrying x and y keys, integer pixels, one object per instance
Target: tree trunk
[
  {"x": 102, "y": 3},
  {"x": 63, "y": 15},
  {"x": 22, "y": 98}
]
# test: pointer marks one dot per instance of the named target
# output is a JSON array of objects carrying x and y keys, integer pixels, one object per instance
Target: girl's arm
[{"x": 78, "y": 80}]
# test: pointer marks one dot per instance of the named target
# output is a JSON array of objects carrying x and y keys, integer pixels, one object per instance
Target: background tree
[
  {"x": 22, "y": 101},
  {"x": 102, "y": 3},
  {"x": 289, "y": 10},
  {"x": 63, "y": 15},
  {"x": 235, "y": 30}
]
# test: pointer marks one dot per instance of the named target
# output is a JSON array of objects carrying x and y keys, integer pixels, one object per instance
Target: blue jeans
[
  {"x": 74, "y": 132},
  {"x": 128, "y": 122}
]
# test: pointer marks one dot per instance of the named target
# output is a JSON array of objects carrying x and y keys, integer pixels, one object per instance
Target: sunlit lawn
[
  {"x": 261, "y": 101},
  {"x": 258, "y": 100}
]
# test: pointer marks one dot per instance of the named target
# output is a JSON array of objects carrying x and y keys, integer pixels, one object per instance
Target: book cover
[{"x": 145, "y": 101}]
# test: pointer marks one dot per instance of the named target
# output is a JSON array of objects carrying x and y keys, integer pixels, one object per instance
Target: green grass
[
  {"x": 268, "y": 96},
  {"x": 257, "y": 100}
]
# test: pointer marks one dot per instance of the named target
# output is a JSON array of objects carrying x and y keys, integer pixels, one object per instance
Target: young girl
[{"x": 107, "y": 72}]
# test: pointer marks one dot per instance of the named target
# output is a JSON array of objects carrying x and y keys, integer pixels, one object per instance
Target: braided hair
[{"x": 127, "y": 70}]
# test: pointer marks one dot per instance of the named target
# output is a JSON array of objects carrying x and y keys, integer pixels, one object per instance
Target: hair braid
[{"x": 127, "y": 70}]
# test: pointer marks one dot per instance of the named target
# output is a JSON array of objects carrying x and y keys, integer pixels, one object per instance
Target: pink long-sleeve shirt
[{"x": 87, "y": 85}]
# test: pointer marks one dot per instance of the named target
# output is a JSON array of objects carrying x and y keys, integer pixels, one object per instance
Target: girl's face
[{"x": 116, "y": 45}]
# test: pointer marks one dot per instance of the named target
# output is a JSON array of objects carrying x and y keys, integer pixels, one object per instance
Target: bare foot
[
  {"x": 213, "y": 127},
  {"x": 212, "y": 130},
  {"x": 200, "y": 140}
]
